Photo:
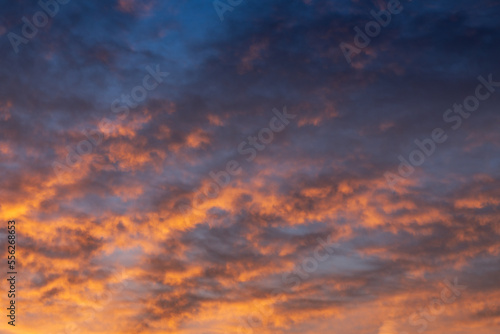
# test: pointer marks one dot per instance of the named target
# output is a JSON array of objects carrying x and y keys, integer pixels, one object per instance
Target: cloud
[{"x": 105, "y": 248}]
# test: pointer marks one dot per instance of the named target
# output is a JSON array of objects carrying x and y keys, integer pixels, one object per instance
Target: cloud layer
[{"x": 143, "y": 232}]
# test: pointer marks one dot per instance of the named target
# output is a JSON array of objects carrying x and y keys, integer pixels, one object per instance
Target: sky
[{"x": 209, "y": 167}]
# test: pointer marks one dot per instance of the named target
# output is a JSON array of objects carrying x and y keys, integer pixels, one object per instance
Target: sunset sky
[{"x": 267, "y": 167}]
